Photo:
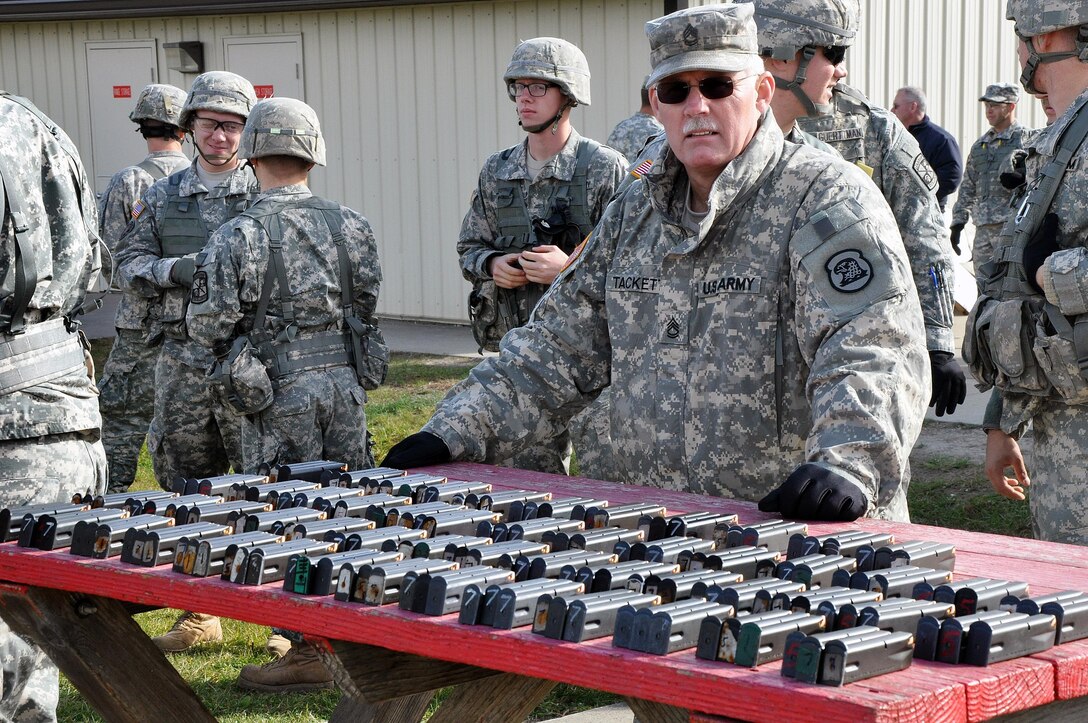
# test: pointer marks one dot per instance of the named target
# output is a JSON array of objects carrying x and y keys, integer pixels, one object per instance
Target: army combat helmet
[
  {"x": 219, "y": 92},
  {"x": 162, "y": 105},
  {"x": 788, "y": 26},
  {"x": 283, "y": 127},
  {"x": 1038, "y": 17},
  {"x": 553, "y": 60}
]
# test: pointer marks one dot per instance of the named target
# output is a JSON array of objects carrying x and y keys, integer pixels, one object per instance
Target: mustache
[{"x": 699, "y": 123}]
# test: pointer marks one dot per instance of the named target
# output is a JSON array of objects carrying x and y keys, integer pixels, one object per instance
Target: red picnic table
[{"x": 389, "y": 662}]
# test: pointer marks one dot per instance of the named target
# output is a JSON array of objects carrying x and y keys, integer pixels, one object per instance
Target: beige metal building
[{"x": 410, "y": 94}]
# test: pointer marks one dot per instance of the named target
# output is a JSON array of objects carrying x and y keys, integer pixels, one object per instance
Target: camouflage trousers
[
  {"x": 1058, "y": 483},
  {"x": 41, "y": 470},
  {"x": 194, "y": 432},
  {"x": 127, "y": 401},
  {"x": 591, "y": 437},
  {"x": 552, "y": 456},
  {"x": 983, "y": 248},
  {"x": 316, "y": 414}
]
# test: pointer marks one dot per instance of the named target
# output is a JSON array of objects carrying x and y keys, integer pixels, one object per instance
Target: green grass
[
  {"x": 947, "y": 491},
  {"x": 399, "y": 408}
]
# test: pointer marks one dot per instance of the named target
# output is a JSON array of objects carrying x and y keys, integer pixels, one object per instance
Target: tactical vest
[
  {"x": 39, "y": 352},
  {"x": 182, "y": 230},
  {"x": 285, "y": 354},
  {"x": 988, "y": 159},
  {"x": 152, "y": 169},
  {"x": 845, "y": 128},
  {"x": 1018, "y": 341},
  {"x": 513, "y": 214}
]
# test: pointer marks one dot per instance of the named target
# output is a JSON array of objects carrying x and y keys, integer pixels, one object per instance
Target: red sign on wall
[
  {"x": 122, "y": 91},
  {"x": 263, "y": 91}
]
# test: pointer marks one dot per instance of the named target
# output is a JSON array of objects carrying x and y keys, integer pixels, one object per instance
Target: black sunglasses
[
  {"x": 835, "y": 54},
  {"x": 714, "y": 88}
]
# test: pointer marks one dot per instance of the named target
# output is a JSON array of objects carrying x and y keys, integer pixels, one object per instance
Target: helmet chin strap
[
  {"x": 1035, "y": 59},
  {"x": 215, "y": 164},
  {"x": 814, "y": 110},
  {"x": 553, "y": 122}
]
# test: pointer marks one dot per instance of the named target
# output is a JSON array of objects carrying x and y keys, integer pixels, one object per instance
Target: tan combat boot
[
  {"x": 191, "y": 629},
  {"x": 299, "y": 670}
]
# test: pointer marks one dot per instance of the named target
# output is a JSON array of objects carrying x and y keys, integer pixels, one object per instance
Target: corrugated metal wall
[{"x": 411, "y": 99}]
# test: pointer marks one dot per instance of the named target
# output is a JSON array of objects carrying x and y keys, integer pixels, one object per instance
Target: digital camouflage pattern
[
  {"x": 159, "y": 102},
  {"x": 1001, "y": 93},
  {"x": 981, "y": 195},
  {"x": 1058, "y": 485},
  {"x": 1035, "y": 17},
  {"x": 683, "y": 331},
  {"x": 554, "y": 60},
  {"x": 221, "y": 92},
  {"x": 786, "y": 26},
  {"x": 316, "y": 414},
  {"x": 717, "y": 37},
  {"x": 128, "y": 376},
  {"x": 49, "y": 432},
  {"x": 285, "y": 127},
  {"x": 631, "y": 134},
  {"x": 193, "y": 432},
  {"x": 480, "y": 239},
  {"x": 874, "y": 139}
]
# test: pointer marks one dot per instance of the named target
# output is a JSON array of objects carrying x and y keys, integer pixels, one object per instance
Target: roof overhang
[{"x": 25, "y": 10}]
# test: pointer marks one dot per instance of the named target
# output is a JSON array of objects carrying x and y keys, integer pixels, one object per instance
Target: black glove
[
  {"x": 1043, "y": 243},
  {"x": 181, "y": 273},
  {"x": 813, "y": 492},
  {"x": 949, "y": 383},
  {"x": 417, "y": 450},
  {"x": 954, "y": 236},
  {"x": 1012, "y": 180}
]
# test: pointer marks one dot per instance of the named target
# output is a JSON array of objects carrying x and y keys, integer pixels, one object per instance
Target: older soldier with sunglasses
[{"x": 748, "y": 304}]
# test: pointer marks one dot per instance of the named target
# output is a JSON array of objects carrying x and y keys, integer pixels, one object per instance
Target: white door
[
  {"x": 273, "y": 63},
  {"x": 116, "y": 73}
]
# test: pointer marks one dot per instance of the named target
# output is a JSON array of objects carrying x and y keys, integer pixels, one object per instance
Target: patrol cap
[
  {"x": 221, "y": 92},
  {"x": 713, "y": 37},
  {"x": 282, "y": 127},
  {"x": 1001, "y": 93},
  {"x": 1036, "y": 17},
  {"x": 554, "y": 60},
  {"x": 159, "y": 102}
]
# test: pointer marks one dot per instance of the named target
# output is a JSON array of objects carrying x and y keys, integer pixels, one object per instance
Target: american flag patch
[
  {"x": 643, "y": 168},
  {"x": 138, "y": 209}
]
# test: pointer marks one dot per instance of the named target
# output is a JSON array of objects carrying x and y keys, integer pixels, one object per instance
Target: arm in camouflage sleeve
[
  {"x": 215, "y": 304},
  {"x": 965, "y": 200},
  {"x": 1065, "y": 272},
  {"x": 925, "y": 239},
  {"x": 476, "y": 244},
  {"x": 138, "y": 255},
  {"x": 869, "y": 379},
  {"x": 546, "y": 371},
  {"x": 366, "y": 275}
]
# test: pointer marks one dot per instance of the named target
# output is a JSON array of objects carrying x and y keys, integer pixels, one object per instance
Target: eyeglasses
[
  {"x": 713, "y": 88},
  {"x": 208, "y": 125},
  {"x": 835, "y": 54},
  {"x": 537, "y": 90}
]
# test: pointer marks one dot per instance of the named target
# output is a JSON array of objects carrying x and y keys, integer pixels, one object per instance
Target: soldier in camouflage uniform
[
  {"x": 1037, "y": 283},
  {"x": 194, "y": 431},
  {"x": 318, "y": 328},
  {"x": 128, "y": 378},
  {"x": 534, "y": 202},
  {"x": 749, "y": 304},
  {"x": 50, "y": 427},
  {"x": 872, "y": 138},
  {"x": 982, "y": 195},
  {"x": 631, "y": 134}
]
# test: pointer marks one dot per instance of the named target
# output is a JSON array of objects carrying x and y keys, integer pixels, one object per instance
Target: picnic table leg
[
  {"x": 105, "y": 654},
  {"x": 505, "y": 697},
  {"x": 647, "y": 711}
]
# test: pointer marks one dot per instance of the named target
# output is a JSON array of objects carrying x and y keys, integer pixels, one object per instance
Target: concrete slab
[{"x": 616, "y": 713}]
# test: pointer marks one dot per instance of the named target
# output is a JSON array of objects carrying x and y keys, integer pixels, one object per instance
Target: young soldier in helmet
[
  {"x": 127, "y": 385},
  {"x": 534, "y": 203},
  {"x": 982, "y": 195},
  {"x": 296, "y": 278},
  {"x": 1032, "y": 307},
  {"x": 803, "y": 43},
  {"x": 748, "y": 303},
  {"x": 194, "y": 431}
]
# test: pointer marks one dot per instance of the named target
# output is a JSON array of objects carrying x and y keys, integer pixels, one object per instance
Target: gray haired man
[{"x": 749, "y": 305}]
